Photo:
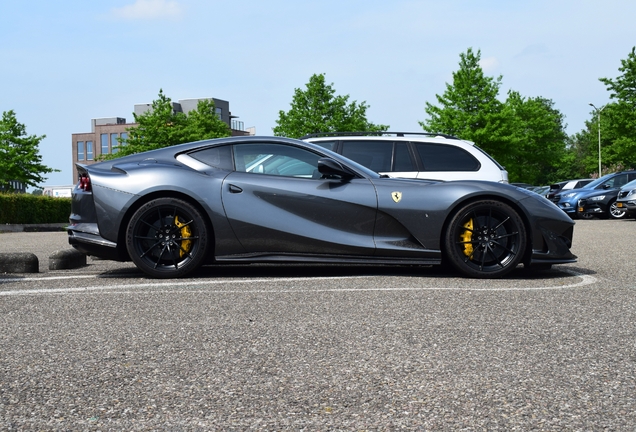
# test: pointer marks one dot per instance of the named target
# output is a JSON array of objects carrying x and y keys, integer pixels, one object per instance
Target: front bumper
[
  {"x": 628, "y": 206},
  {"x": 591, "y": 207}
]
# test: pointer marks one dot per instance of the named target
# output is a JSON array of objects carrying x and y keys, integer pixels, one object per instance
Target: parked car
[
  {"x": 414, "y": 155},
  {"x": 541, "y": 190},
  {"x": 606, "y": 187},
  {"x": 555, "y": 188},
  {"x": 271, "y": 199},
  {"x": 626, "y": 199}
]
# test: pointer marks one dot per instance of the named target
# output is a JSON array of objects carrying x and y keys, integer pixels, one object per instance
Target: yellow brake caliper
[
  {"x": 185, "y": 233},
  {"x": 466, "y": 237}
]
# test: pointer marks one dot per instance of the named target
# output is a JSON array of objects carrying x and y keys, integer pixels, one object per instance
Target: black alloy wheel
[
  {"x": 485, "y": 239},
  {"x": 167, "y": 238}
]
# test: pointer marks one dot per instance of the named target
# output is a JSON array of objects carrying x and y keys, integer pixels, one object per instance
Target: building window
[
  {"x": 80, "y": 150},
  {"x": 113, "y": 142},
  {"x": 104, "y": 142},
  {"x": 89, "y": 150},
  {"x": 124, "y": 138},
  {"x": 219, "y": 112}
]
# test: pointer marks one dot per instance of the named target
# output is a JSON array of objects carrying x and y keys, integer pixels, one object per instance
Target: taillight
[{"x": 84, "y": 183}]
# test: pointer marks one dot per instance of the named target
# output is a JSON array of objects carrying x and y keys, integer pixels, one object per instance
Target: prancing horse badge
[{"x": 397, "y": 196}]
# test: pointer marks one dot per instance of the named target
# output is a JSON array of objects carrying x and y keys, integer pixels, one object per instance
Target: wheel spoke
[
  {"x": 174, "y": 261},
  {"x": 149, "y": 249},
  {"x": 507, "y": 235},
  {"x": 151, "y": 225},
  {"x": 160, "y": 256},
  {"x": 495, "y": 258},
  {"x": 502, "y": 222},
  {"x": 507, "y": 249}
]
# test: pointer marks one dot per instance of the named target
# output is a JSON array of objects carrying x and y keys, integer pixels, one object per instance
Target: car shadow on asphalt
[{"x": 277, "y": 271}]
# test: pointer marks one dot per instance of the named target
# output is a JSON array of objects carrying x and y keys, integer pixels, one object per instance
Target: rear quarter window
[
  {"x": 441, "y": 157},
  {"x": 217, "y": 157}
]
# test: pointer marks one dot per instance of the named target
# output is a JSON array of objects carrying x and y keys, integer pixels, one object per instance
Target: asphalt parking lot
[{"x": 321, "y": 347}]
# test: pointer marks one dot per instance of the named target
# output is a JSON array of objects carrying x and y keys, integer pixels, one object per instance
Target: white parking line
[{"x": 185, "y": 285}]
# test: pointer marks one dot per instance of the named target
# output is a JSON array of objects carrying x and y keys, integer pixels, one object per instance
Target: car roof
[{"x": 387, "y": 136}]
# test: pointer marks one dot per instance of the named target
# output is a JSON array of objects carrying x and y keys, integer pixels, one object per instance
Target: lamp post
[{"x": 598, "y": 115}]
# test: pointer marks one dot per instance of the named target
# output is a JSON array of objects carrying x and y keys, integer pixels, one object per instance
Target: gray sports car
[{"x": 269, "y": 199}]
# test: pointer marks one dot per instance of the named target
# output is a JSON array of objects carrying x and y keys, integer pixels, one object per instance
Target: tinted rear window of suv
[
  {"x": 379, "y": 155},
  {"x": 440, "y": 157}
]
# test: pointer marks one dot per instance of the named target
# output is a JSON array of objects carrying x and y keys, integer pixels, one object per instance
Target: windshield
[{"x": 630, "y": 185}]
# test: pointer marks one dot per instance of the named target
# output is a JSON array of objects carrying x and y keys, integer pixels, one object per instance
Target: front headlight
[
  {"x": 569, "y": 195},
  {"x": 597, "y": 198},
  {"x": 631, "y": 192}
]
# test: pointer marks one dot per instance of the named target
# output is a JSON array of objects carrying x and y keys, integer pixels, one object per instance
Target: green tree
[
  {"x": 318, "y": 110},
  {"x": 526, "y": 135},
  {"x": 537, "y": 136},
  {"x": 618, "y": 129},
  {"x": 162, "y": 127},
  {"x": 470, "y": 109},
  {"x": 20, "y": 158},
  {"x": 618, "y": 118}
]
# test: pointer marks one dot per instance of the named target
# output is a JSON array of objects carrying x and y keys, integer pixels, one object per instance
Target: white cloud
[{"x": 149, "y": 10}]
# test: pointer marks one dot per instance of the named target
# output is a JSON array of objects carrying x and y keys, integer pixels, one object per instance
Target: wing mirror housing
[{"x": 331, "y": 168}]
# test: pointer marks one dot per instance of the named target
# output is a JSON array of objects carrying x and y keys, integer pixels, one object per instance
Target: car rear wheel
[
  {"x": 614, "y": 212},
  {"x": 167, "y": 237},
  {"x": 485, "y": 239}
]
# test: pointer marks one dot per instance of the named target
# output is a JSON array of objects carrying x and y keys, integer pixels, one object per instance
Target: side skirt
[{"x": 337, "y": 259}]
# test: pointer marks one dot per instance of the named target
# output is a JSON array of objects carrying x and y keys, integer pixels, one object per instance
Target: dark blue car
[{"x": 605, "y": 187}]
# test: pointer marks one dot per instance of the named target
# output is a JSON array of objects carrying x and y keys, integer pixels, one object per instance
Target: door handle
[{"x": 235, "y": 189}]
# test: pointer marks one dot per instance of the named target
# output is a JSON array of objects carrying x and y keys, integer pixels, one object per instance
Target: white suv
[{"x": 414, "y": 155}]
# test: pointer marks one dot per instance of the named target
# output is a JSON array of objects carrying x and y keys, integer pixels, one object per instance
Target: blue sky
[{"x": 66, "y": 62}]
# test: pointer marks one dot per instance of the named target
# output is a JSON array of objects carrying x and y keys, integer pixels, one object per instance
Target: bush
[{"x": 33, "y": 209}]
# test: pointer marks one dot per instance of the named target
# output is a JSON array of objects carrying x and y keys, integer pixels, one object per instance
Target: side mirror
[{"x": 332, "y": 168}]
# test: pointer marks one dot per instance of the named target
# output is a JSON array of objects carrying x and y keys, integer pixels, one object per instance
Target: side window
[
  {"x": 616, "y": 182},
  {"x": 375, "y": 155},
  {"x": 217, "y": 157},
  {"x": 402, "y": 160},
  {"x": 441, "y": 157},
  {"x": 329, "y": 145},
  {"x": 276, "y": 159}
]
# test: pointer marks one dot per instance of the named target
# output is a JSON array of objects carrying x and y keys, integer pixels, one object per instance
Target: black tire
[
  {"x": 167, "y": 238},
  {"x": 485, "y": 239},
  {"x": 614, "y": 213}
]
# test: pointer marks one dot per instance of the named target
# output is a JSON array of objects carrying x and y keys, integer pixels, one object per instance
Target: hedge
[{"x": 33, "y": 209}]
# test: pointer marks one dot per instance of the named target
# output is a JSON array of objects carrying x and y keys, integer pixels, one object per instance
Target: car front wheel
[
  {"x": 485, "y": 239},
  {"x": 167, "y": 238},
  {"x": 614, "y": 212}
]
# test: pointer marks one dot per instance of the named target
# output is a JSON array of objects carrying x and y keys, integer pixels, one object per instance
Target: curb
[
  {"x": 47, "y": 227},
  {"x": 27, "y": 262},
  {"x": 66, "y": 259},
  {"x": 19, "y": 262}
]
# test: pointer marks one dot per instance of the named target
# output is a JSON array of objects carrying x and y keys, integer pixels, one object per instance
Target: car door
[{"x": 276, "y": 202}]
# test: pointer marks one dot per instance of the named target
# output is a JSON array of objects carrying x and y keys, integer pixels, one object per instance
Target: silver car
[{"x": 626, "y": 199}]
